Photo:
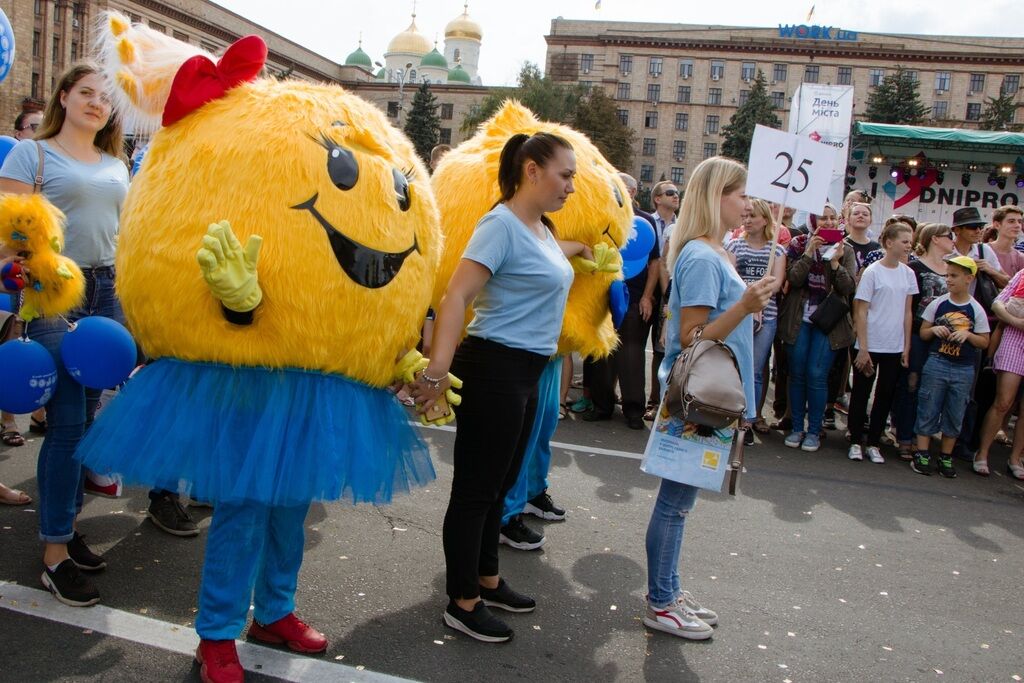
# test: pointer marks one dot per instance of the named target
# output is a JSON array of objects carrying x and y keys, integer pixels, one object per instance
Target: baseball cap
[{"x": 964, "y": 261}]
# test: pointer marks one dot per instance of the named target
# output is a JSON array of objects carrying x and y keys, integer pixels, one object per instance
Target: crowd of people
[{"x": 924, "y": 323}]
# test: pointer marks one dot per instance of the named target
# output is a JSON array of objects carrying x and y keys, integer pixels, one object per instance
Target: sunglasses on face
[
  {"x": 945, "y": 234},
  {"x": 669, "y": 193}
]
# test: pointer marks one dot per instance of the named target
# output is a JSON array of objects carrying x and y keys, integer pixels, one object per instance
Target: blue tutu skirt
[{"x": 255, "y": 435}]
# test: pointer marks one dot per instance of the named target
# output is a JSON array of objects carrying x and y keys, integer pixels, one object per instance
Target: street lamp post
[{"x": 402, "y": 75}]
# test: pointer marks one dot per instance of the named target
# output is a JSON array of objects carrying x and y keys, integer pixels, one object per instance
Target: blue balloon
[
  {"x": 7, "y": 143},
  {"x": 6, "y": 302},
  {"x": 618, "y": 301},
  {"x": 6, "y": 46},
  {"x": 99, "y": 352},
  {"x": 28, "y": 376},
  {"x": 640, "y": 242},
  {"x": 631, "y": 269},
  {"x": 137, "y": 164}
]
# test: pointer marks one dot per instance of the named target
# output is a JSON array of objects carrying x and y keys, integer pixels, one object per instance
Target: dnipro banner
[
  {"x": 933, "y": 195},
  {"x": 823, "y": 113}
]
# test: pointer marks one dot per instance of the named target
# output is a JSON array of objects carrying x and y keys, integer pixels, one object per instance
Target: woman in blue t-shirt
[
  {"x": 706, "y": 293},
  {"x": 516, "y": 276},
  {"x": 84, "y": 175}
]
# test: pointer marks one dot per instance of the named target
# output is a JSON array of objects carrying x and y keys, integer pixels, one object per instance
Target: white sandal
[
  {"x": 981, "y": 467},
  {"x": 1016, "y": 470}
]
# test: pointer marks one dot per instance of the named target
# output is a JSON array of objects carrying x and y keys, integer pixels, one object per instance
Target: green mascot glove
[
  {"x": 230, "y": 271},
  {"x": 606, "y": 260}
]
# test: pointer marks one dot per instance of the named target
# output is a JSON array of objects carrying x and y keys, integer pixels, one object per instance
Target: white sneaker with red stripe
[{"x": 679, "y": 620}]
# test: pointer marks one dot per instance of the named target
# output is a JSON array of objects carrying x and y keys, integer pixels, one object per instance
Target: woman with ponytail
[{"x": 516, "y": 277}]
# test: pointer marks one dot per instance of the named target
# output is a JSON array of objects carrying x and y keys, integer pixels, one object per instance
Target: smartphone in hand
[{"x": 438, "y": 410}]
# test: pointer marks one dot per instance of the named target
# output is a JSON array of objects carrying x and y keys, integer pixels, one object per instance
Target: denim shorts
[{"x": 942, "y": 396}]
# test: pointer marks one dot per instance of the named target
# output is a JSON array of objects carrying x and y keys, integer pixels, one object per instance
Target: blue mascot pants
[
  {"x": 533, "y": 475},
  {"x": 253, "y": 555}
]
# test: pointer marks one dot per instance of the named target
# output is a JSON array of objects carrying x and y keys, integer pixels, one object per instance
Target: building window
[
  {"x": 393, "y": 110},
  {"x": 912, "y": 76},
  {"x": 626, "y": 64},
  {"x": 622, "y": 91},
  {"x": 677, "y": 175},
  {"x": 36, "y": 39},
  {"x": 74, "y": 50},
  {"x": 444, "y": 136},
  {"x": 653, "y": 92},
  {"x": 39, "y": 11},
  {"x": 58, "y": 16},
  {"x": 587, "y": 85},
  {"x": 651, "y": 119},
  {"x": 623, "y": 116},
  {"x": 779, "y": 72},
  {"x": 977, "y": 83},
  {"x": 679, "y": 149},
  {"x": 811, "y": 72},
  {"x": 974, "y": 111},
  {"x": 134, "y": 18},
  {"x": 942, "y": 80},
  {"x": 717, "y": 69},
  {"x": 714, "y": 95},
  {"x": 646, "y": 173},
  {"x": 686, "y": 68},
  {"x": 711, "y": 125},
  {"x": 209, "y": 47},
  {"x": 845, "y": 76},
  {"x": 654, "y": 66},
  {"x": 940, "y": 109},
  {"x": 474, "y": 110},
  {"x": 875, "y": 77},
  {"x": 744, "y": 97},
  {"x": 447, "y": 111},
  {"x": 749, "y": 71},
  {"x": 35, "y": 85},
  {"x": 682, "y": 121},
  {"x": 183, "y": 37},
  {"x": 55, "y": 56},
  {"x": 1011, "y": 84},
  {"x": 710, "y": 149},
  {"x": 649, "y": 147},
  {"x": 778, "y": 100},
  {"x": 683, "y": 94},
  {"x": 586, "y": 63},
  {"x": 159, "y": 28}
]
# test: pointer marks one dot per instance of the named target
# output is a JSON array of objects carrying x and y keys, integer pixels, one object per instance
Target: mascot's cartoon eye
[
  {"x": 618, "y": 195},
  {"x": 402, "y": 190},
  {"x": 341, "y": 163}
]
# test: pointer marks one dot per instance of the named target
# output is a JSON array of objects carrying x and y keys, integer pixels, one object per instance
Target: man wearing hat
[{"x": 968, "y": 226}]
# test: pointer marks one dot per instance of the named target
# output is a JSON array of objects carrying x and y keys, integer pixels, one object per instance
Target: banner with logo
[{"x": 824, "y": 114}]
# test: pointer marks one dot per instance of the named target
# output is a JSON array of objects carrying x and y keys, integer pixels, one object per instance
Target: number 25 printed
[{"x": 799, "y": 169}]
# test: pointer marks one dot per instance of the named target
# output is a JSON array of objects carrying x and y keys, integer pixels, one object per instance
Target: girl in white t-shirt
[{"x": 882, "y": 317}]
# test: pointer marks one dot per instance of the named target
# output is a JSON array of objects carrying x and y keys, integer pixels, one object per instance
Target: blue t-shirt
[
  {"x": 701, "y": 277},
  {"x": 970, "y": 316},
  {"x": 523, "y": 302},
  {"x": 90, "y": 195}
]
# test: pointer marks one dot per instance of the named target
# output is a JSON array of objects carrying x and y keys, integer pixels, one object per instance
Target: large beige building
[
  {"x": 50, "y": 35},
  {"x": 677, "y": 85}
]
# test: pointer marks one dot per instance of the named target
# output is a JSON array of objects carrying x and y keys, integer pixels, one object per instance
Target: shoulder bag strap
[{"x": 37, "y": 186}]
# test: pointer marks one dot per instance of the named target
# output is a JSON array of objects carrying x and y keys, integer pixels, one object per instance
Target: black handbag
[{"x": 831, "y": 310}]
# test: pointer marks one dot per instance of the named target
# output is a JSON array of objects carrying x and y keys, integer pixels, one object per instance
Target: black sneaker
[
  {"x": 519, "y": 536},
  {"x": 479, "y": 623},
  {"x": 946, "y": 468},
  {"x": 69, "y": 586},
  {"x": 84, "y": 559},
  {"x": 921, "y": 463},
  {"x": 829, "y": 421},
  {"x": 168, "y": 514},
  {"x": 593, "y": 416},
  {"x": 542, "y": 506},
  {"x": 503, "y": 597},
  {"x": 748, "y": 437}
]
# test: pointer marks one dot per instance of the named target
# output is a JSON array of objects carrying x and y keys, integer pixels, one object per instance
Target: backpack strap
[{"x": 37, "y": 185}]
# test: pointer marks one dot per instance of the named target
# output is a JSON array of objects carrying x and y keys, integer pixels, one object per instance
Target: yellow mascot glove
[
  {"x": 409, "y": 366},
  {"x": 230, "y": 271},
  {"x": 453, "y": 400},
  {"x": 606, "y": 260}
]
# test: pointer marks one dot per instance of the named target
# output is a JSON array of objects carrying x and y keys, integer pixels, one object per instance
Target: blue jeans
[
  {"x": 763, "y": 339},
  {"x": 943, "y": 396},
  {"x": 665, "y": 541},
  {"x": 810, "y": 360},
  {"x": 68, "y": 414}
]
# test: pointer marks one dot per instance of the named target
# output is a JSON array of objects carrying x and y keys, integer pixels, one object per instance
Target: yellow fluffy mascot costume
[{"x": 277, "y": 253}]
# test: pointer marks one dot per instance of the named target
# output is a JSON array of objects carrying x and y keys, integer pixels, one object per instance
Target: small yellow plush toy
[
  {"x": 32, "y": 226},
  {"x": 598, "y": 214}
]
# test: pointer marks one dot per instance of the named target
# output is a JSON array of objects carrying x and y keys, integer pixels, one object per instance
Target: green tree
[
  {"x": 756, "y": 110},
  {"x": 423, "y": 125},
  {"x": 999, "y": 114},
  {"x": 896, "y": 100},
  {"x": 597, "y": 118},
  {"x": 549, "y": 100}
]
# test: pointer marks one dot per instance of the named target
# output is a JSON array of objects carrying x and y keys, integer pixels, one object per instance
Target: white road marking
[
  {"x": 179, "y": 639},
  {"x": 576, "y": 448}
]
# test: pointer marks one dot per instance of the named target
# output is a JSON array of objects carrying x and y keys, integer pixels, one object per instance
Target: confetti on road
[
  {"x": 783, "y": 666},
  {"x": 842, "y": 601},
  {"x": 984, "y": 646},
  {"x": 887, "y": 648},
  {"x": 839, "y": 569},
  {"x": 796, "y": 606},
  {"x": 342, "y": 557},
  {"x": 536, "y": 627},
  {"x": 714, "y": 578},
  {"x": 339, "y": 658},
  {"x": 956, "y": 573},
  {"x": 762, "y": 647},
  {"x": 144, "y": 611},
  {"x": 938, "y": 671},
  {"x": 87, "y": 631},
  {"x": 882, "y": 593},
  {"x": 877, "y": 565},
  {"x": 860, "y": 547},
  {"x": 613, "y": 608},
  {"x": 360, "y": 668},
  {"x": 734, "y": 554},
  {"x": 790, "y": 634},
  {"x": 438, "y": 642},
  {"x": 1015, "y": 677}
]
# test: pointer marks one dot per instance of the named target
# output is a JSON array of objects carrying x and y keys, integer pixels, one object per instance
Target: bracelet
[{"x": 436, "y": 383}]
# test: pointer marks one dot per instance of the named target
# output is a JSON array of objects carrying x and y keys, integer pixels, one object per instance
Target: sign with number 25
[{"x": 790, "y": 169}]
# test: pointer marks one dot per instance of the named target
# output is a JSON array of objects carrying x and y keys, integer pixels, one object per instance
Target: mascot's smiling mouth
[{"x": 365, "y": 266}]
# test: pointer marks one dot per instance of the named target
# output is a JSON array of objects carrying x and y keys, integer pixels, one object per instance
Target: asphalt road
[{"x": 821, "y": 570}]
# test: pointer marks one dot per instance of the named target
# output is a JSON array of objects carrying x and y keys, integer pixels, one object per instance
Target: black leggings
[
  {"x": 499, "y": 401},
  {"x": 887, "y": 370}
]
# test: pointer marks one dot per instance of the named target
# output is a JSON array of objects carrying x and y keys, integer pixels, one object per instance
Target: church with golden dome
[{"x": 412, "y": 58}]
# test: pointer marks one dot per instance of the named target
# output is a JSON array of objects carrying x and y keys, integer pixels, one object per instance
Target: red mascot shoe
[
  {"x": 218, "y": 661},
  {"x": 290, "y": 630}
]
